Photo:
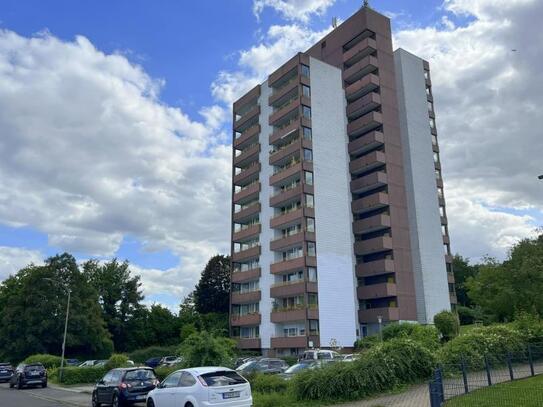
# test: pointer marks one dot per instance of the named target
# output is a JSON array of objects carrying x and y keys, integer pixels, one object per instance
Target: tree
[
  {"x": 447, "y": 324},
  {"x": 205, "y": 349},
  {"x": 33, "y": 309},
  {"x": 514, "y": 286},
  {"x": 162, "y": 326},
  {"x": 463, "y": 270},
  {"x": 212, "y": 293},
  {"x": 119, "y": 294}
]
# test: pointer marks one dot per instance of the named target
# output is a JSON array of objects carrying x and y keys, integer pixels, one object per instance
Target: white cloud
[
  {"x": 300, "y": 10},
  {"x": 12, "y": 259}
]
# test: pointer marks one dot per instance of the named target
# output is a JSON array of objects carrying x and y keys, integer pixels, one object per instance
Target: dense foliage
[
  {"x": 48, "y": 361},
  {"x": 78, "y": 375},
  {"x": 213, "y": 289},
  {"x": 141, "y": 355},
  {"x": 426, "y": 335},
  {"x": 205, "y": 349},
  {"x": 447, "y": 324}
]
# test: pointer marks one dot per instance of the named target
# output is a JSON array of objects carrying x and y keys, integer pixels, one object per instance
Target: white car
[
  {"x": 202, "y": 387},
  {"x": 320, "y": 354}
]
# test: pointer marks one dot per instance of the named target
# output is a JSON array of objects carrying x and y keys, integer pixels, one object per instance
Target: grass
[{"x": 525, "y": 393}]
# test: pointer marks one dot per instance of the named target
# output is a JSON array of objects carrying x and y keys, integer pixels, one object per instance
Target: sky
[{"x": 115, "y": 121}]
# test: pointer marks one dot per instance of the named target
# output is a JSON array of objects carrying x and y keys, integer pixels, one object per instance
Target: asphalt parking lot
[{"x": 38, "y": 397}]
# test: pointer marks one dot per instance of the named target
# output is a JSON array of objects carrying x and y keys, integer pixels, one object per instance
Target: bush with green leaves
[
  {"x": 530, "y": 327},
  {"x": 78, "y": 375},
  {"x": 48, "y": 361},
  {"x": 494, "y": 341},
  {"x": 379, "y": 369},
  {"x": 291, "y": 360},
  {"x": 426, "y": 335},
  {"x": 264, "y": 383},
  {"x": 163, "y": 371},
  {"x": 205, "y": 349},
  {"x": 447, "y": 324},
  {"x": 141, "y": 355},
  {"x": 366, "y": 343},
  {"x": 116, "y": 360}
]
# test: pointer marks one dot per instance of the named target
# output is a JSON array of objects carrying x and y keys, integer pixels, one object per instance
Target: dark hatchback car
[
  {"x": 120, "y": 387},
  {"x": 153, "y": 362},
  {"x": 32, "y": 374},
  {"x": 6, "y": 371},
  {"x": 263, "y": 365}
]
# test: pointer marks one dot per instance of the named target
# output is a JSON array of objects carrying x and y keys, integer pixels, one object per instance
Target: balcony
[
  {"x": 247, "y": 138},
  {"x": 246, "y": 298},
  {"x": 370, "y": 315},
  {"x": 293, "y": 288},
  {"x": 450, "y": 278},
  {"x": 280, "y": 157},
  {"x": 247, "y": 254},
  {"x": 247, "y": 120},
  {"x": 375, "y": 268},
  {"x": 370, "y": 203},
  {"x": 288, "y": 242},
  {"x": 375, "y": 245},
  {"x": 361, "y": 50},
  {"x": 363, "y": 105},
  {"x": 284, "y": 73},
  {"x": 292, "y": 195},
  {"x": 366, "y": 142},
  {"x": 296, "y": 264},
  {"x": 362, "y": 87},
  {"x": 289, "y": 342},
  {"x": 452, "y": 298},
  {"x": 367, "y": 163},
  {"x": 371, "y": 224},
  {"x": 383, "y": 290},
  {"x": 247, "y": 175},
  {"x": 444, "y": 220},
  {"x": 243, "y": 276},
  {"x": 247, "y": 194},
  {"x": 364, "y": 124},
  {"x": 290, "y": 89},
  {"x": 242, "y": 320},
  {"x": 288, "y": 174},
  {"x": 368, "y": 182},
  {"x": 448, "y": 258},
  {"x": 291, "y": 218},
  {"x": 287, "y": 112},
  {"x": 246, "y": 234},
  {"x": 360, "y": 69},
  {"x": 247, "y": 156},
  {"x": 250, "y": 98},
  {"x": 248, "y": 343},
  {"x": 287, "y": 130},
  {"x": 446, "y": 239},
  {"x": 246, "y": 213},
  {"x": 290, "y": 315}
]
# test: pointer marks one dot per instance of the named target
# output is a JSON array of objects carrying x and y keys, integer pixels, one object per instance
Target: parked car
[
  {"x": 88, "y": 363},
  {"x": 124, "y": 386},
  {"x": 263, "y": 365},
  {"x": 303, "y": 365},
  {"x": 6, "y": 371},
  {"x": 29, "y": 375},
  {"x": 351, "y": 357},
  {"x": 241, "y": 361},
  {"x": 153, "y": 362},
  {"x": 202, "y": 386},
  {"x": 72, "y": 362},
  {"x": 170, "y": 360},
  {"x": 98, "y": 363},
  {"x": 320, "y": 354}
]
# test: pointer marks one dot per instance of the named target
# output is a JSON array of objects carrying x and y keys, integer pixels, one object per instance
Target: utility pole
[{"x": 64, "y": 340}]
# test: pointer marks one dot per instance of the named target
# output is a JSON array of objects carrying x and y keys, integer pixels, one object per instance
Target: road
[{"x": 38, "y": 397}]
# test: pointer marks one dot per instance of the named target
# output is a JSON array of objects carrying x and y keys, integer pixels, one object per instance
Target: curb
[
  {"x": 72, "y": 390},
  {"x": 61, "y": 402}
]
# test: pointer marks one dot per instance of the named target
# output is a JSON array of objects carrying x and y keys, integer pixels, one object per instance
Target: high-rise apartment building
[{"x": 338, "y": 213}]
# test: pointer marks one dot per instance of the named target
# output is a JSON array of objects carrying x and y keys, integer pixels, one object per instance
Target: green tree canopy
[
  {"x": 463, "y": 270},
  {"x": 212, "y": 293},
  {"x": 205, "y": 349}
]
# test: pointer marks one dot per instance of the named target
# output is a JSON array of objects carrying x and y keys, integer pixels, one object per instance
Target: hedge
[
  {"x": 426, "y": 335},
  {"x": 116, "y": 360},
  {"x": 163, "y": 371},
  {"x": 78, "y": 375},
  {"x": 141, "y": 355},
  {"x": 381, "y": 368},
  {"x": 48, "y": 361},
  {"x": 263, "y": 383}
]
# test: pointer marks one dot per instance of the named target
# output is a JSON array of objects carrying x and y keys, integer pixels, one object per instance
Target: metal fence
[{"x": 472, "y": 374}]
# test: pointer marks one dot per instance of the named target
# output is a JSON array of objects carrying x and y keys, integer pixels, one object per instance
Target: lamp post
[{"x": 380, "y": 320}]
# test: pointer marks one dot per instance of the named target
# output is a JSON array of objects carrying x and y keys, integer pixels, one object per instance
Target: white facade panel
[
  {"x": 431, "y": 285},
  {"x": 333, "y": 218}
]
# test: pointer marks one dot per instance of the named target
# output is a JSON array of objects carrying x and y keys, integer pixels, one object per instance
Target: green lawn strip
[{"x": 525, "y": 393}]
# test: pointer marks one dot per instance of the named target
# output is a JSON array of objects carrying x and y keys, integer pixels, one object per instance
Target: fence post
[
  {"x": 464, "y": 375},
  {"x": 531, "y": 360},
  {"x": 440, "y": 382},
  {"x": 510, "y": 366},
  {"x": 487, "y": 367}
]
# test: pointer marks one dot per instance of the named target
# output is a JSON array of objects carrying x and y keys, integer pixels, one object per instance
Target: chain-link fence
[{"x": 472, "y": 374}]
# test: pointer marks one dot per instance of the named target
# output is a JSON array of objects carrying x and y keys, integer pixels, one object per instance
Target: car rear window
[
  {"x": 34, "y": 367},
  {"x": 222, "y": 378},
  {"x": 142, "y": 374}
]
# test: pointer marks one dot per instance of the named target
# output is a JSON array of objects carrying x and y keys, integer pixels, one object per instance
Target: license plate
[
  {"x": 231, "y": 395},
  {"x": 34, "y": 373},
  {"x": 141, "y": 397},
  {"x": 3, "y": 371}
]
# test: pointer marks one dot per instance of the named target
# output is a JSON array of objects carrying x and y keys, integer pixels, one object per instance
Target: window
[
  {"x": 438, "y": 174},
  {"x": 306, "y": 91},
  {"x": 293, "y": 253},
  {"x": 310, "y": 224},
  {"x": 308, "y": 154},
  {"x": 308, "y": 176},
  {"x": 434, "y": 140},
  {"x": 309, "y": 201},
  {"x": 172, "y": 380},
  {"x": 442, "y": 211},
  {"x": 436, "y": 158},
  {"x": 307, "y": 133},
  {"x": 451, "y": 287},
  {"x": 312, "y": 300},
  {"x": 312, "y": 274},
  {"x": 311, "y": 251},
  {"x": 222, "y": 378},
  {"x": 306, "y": 111},
  {"x": 187, "y": 380},
  {"x": 444, "y": 230},
  {"x": 432, "y": 124},
  {"x": 116, "y": 376},
  {"x": 426, "y": 74},
  {"x": 305, "y": 70},
  {"x": 440, "y": 192},
  {"x": 313, "y": 327},
  {"x": 446, "y": 249}
]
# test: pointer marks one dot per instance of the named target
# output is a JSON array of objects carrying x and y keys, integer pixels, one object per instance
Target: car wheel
[
  {"x": 44, "y": 385},
  {"x": 11, "y": 384},
  {"x": 19, "y": 384},
  {"x": 189, "y": 404},
  {"x": 95, "y": 400},
  {"x": 116, "y": 401},
  {"x": 150, "y": 403}
]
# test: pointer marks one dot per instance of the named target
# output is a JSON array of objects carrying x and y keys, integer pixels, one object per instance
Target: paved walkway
[{"x": 416, "y": 396}]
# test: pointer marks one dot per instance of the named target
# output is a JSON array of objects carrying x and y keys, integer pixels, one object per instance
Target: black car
[
  {"x": 72, "y": 362},
  {"x": 30, "y": 374},
  {"x": 120, "y": 387},
  {"x": 263, "y": 365},
  {"x": 153, "y": 362},
  {"x": 6, "y": 371}
]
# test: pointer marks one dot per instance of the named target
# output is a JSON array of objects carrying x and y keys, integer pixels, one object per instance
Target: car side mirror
[{"x": 100, "y": 382}]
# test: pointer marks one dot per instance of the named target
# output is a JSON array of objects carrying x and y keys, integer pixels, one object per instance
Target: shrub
[
  {"x": 141, "y": 355},
  {"x": 49, "y": 361},
  {"x": 426, "y": 335},
  {"x": 268, "y": 383},
  {"x": 366, "y": 343},
  {"x": 273, "y": 400},
  {"x": 116, "y": 360},
  {"x": 163, "y": 371},
  {"x": 530, "y": 327},
  {"x": 447, "y": 324},
  {"x": 494, "y": 341},
  {"x": 291, "y": 360},
  {"x": 78, "y": 375},
  {"x": 379, "y": 369},
  {"x": 205, "y": 349}
]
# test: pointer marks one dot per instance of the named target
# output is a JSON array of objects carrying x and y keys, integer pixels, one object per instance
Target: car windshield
[
  {"x": 137, "y": 375},
  {"x": 222, "y": 378},
  {"x": 247, "y": 365},
  {"x": 34, "y": 367},
  {"x": 297, "y": 367}
]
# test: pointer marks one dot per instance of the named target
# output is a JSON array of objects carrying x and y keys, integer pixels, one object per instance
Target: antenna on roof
[
  {"x": 334, "y": 22},
  {"x": 366, "y": 3}
]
